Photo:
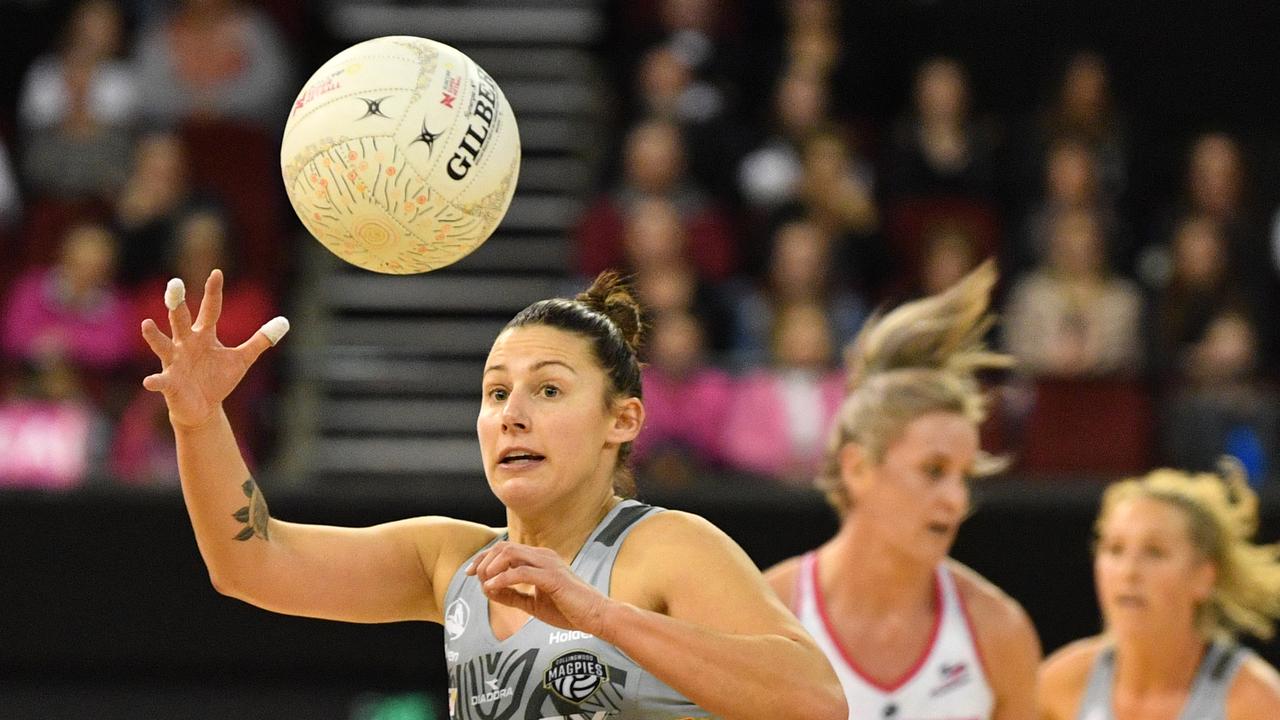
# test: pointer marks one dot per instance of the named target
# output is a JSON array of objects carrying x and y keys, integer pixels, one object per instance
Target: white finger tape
[
  {"x": 174, "y": 293},
  {"x": 275, "y": 328}
]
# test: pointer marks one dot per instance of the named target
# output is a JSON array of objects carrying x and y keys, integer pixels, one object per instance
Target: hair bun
[{"x": 610, "y": 295}]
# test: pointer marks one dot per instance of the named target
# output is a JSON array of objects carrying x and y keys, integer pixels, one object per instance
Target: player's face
[
  {"x": 919, "y": 493},
  {"x": 544, "y": 426},
  {"x": 1149, "y": 577}
]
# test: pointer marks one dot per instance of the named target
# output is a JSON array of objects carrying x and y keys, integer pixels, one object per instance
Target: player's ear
[
  {"x": 854, "y": 464},
  {"x": 628, "y": 418}
]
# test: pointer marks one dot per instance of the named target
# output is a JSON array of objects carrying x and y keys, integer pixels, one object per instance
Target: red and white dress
[{"x": 947, "y": 682}]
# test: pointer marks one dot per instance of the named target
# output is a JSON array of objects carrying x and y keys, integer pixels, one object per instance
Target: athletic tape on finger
[
  {"x": 275, "y": 328},
  {"x": 174, "y": 293}
]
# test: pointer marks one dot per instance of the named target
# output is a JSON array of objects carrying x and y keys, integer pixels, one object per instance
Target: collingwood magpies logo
[
  {"x": 575, "y": 675},
  {"x": 426, "y": 137},
  {"x": 374, "y": 107}
]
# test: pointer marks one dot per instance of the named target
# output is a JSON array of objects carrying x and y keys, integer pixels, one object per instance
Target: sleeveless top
[
  {"x": 544, "y": 672},
  {"x": 947, "y": 682},
  {"x": 1206, "y": 701}
]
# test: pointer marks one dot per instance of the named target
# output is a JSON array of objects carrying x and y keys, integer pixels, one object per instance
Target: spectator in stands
[
  {"x": 156, "y": 196},
  {"x": 669, "y": 88},
  {"x": 837, "y": 187},
  {"x": 654, "y": 167},
  {"x": 78, "y": 108},
  {"x": 1085, "y": 112},
  {"x": 939, "y": 150},
  {"x": 698, "y": 32},
  {"x": 657, "y": 253},
  {"x": 685, "y": 401},
  {"x": 771, "y": 174},
  {"x": 1199, "y": 288},
  {"x": 214, "y": 59},
  {"x": 86, "y": 70},
  {"x": 73, "y": 310},
  {"x": 949, "y": 254},
  {"x": 1218, "y": 188},
  {"x": 1223, "y": 406},
  {"x": 1071, "y": 316},
  {"x": 779, "y": 416},
  {"x": 802, "y": 270},
  {"x": 1071, "y": 183}
]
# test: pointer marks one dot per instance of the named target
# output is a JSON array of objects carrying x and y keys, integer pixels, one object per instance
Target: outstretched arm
[
  {"x": 689, "y": 606},
  {"x": 383, "y": 573}
]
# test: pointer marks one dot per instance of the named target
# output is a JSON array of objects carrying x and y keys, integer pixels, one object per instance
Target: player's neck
[
  {"x": 1158, "y": 662},
  {"x": 855, "y": 565},
  {"x": 563, "y": 527}
]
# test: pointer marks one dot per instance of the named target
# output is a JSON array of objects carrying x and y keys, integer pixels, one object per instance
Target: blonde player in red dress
[{"x": 913, "y": 634}]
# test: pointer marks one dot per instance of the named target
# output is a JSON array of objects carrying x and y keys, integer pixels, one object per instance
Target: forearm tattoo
[{"x": 254, "y": 515}]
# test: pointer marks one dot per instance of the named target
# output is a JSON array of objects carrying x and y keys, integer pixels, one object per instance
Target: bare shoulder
[
  {"x": 1255, "y": 691},
  {"x": 1063, "y": 677},
  {"x": 669, "y": 554},
  {"x": 995, "y": 615},
  {"x": 445, "y": 543},
  {"x": 1007, "y": 642},
  {"x": 782, "y": 578}
]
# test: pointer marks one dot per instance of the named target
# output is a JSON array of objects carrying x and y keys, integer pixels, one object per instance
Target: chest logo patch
[{"x": 574, "y": 676}]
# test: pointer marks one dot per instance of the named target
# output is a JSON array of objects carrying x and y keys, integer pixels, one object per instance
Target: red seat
[{"x": 1099, "y": 427}]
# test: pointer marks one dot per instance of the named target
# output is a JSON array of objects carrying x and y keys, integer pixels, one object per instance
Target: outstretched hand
[
  {"x": 197, "y": 371},
  {"x": 550, "y": 591}
]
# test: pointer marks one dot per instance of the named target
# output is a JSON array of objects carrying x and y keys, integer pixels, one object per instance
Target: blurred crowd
[
  {"x": 761, "y": 210},
  {"x": 140, "y": 147},
  {"x": 764, "y": 214}
]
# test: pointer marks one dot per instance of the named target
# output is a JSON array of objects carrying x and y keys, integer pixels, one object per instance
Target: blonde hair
[
  {"x": 1222, "y": 516},
  {"x": 920, "y": 358}
]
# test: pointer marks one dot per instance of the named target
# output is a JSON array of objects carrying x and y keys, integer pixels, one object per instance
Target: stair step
[
  {"x": 365, "y": 373},
  {"x": 402, "y": 416},
  {"x": 405, "y": 455},
  {"x": 551, "y": 23},
  {"x": 433, "y": 292}
]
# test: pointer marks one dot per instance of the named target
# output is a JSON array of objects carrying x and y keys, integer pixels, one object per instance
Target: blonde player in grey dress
[
  {"x": 1177, "y": 578},
  {"x": 587, "y": 605}
]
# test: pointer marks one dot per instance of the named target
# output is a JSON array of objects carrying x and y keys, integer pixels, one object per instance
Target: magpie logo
[{"x": 575, "y": 675}]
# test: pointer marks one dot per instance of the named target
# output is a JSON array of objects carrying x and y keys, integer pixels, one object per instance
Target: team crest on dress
[{"x": 575, "y": 675}]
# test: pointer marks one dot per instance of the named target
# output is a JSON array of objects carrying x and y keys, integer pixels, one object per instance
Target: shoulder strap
[{"x": 1096, "y": 704}]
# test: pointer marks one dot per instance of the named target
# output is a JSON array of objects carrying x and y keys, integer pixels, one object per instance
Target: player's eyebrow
[{"x": 536, "y": 366}]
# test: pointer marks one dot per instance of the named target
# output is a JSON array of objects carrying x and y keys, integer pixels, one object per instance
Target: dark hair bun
[{"x": 610, "y": 296}]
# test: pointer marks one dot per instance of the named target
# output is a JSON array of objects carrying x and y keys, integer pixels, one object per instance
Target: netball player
[
  {"x": 912, "y": 633},
  {"x": 1177, "y": 579},
  {"x": 586, "y": 604}
]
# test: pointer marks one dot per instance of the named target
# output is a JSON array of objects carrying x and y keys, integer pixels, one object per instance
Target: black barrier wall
[{"x": 106, "y": 609}]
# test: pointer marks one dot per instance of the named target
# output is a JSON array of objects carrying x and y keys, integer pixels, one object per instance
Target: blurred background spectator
[
  {"x": 1071, "y": 315},
  {"x": 214, "y": 59}
]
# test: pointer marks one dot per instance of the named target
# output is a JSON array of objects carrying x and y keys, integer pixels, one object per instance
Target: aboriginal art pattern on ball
[{"x": 363, "y": 194}]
